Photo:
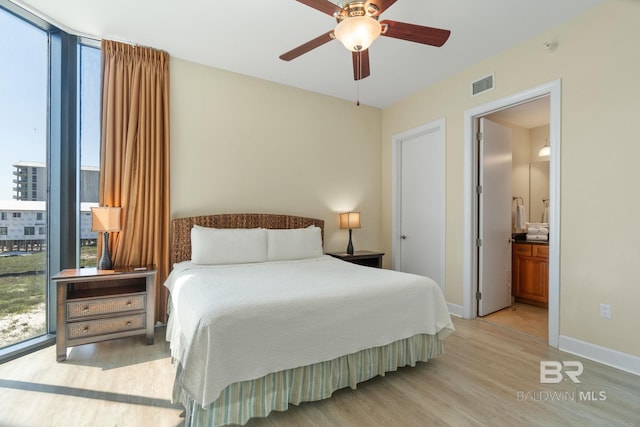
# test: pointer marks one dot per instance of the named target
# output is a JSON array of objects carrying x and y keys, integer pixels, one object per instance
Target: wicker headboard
[{"x": 181, "y": 227}]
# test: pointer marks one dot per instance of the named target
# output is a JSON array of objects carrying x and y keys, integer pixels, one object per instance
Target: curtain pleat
[{"x": 134, "y": 157}]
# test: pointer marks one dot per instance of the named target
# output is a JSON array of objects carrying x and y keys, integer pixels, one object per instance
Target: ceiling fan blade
[
  {"x": 382, "y": 5},
  {"x": 312, "y": 44},
  {"x": 323, "y": 6},
  {"x": 361, "y": 64},
  {"x": 415, "y": 33}
]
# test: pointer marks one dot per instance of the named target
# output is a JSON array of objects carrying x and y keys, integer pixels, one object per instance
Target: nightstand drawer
[
  {"x": 88, "y": 308},
  {"x": 366, "y": 258},
  {"x": 105, "y": 326}
]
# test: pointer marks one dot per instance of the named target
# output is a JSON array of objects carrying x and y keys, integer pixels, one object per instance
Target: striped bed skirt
[{"x": 244, "y": 400}]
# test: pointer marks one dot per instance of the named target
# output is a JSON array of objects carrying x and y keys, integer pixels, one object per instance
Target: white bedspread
[{"x": 240, "y": 322}]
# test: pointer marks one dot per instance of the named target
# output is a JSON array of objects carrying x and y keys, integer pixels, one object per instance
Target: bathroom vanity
[{"x": 530, "y": 272}]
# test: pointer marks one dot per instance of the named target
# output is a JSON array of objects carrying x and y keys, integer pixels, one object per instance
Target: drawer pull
[
  {"x": 85, "y": 308},
  {"x": 129, "y": 302},
  {"x": 85, "y": 329},
  {"x": 129, "y": 323}
]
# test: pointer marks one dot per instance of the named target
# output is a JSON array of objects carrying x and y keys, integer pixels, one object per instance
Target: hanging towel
[
  {"x": 520, "y": 219},
  {"x": 545, "y": 214}
]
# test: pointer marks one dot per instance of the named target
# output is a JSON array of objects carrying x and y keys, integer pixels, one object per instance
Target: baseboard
[
  {"x": 455, "y": 310},
  {"x": 616, "y": 359}
]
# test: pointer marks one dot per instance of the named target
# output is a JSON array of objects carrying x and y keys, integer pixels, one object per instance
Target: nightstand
[
  {"x": 96, "y": 305},
  {"x": 367, "y": 258}
]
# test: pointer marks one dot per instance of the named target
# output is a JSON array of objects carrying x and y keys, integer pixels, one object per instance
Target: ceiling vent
[{"x": 482, "y": 85}]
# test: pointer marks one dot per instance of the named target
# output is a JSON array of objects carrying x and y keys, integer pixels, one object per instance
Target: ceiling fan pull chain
[{"x": 358, "y": 81}]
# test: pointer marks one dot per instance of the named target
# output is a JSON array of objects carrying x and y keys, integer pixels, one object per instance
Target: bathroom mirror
[{"x": 538, "y": 190}]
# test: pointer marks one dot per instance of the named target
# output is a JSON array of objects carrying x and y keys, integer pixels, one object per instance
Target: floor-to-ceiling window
[
  {"x": 89, "y": 143},
  {"x": 49, "y": 159},
  {"x": 24, "y": 76}
]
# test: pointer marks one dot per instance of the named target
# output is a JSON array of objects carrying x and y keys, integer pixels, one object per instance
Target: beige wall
[
  {"x": 240, "y": 144},
  {"x": 598, "y": 61}
]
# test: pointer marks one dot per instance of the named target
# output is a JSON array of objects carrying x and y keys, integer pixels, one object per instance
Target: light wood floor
[
  {"x": 525, "y": 318},
  {"x": 489, "y": 376}
]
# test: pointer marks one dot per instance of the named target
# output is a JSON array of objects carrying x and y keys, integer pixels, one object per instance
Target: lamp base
[
  {"x": 350, "y": 245},
  {"x": 105, "y": 259}
]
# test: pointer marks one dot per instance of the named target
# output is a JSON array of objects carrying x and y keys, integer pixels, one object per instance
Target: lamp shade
[
  {"x": 358, "y": 32},
  {"x": 350, "y": 220},
  {"x": 105, "y": 219}
]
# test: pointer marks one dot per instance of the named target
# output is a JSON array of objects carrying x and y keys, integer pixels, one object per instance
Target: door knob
[{"x": 403, "y": 237}]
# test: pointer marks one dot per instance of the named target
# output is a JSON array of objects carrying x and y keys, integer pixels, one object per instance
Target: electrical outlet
[{"x": 605, "y": 311}]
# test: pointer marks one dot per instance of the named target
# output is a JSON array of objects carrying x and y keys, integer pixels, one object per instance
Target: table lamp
[
  {"x": 350, "y": 220},
  {"x": 105, "y": 220}
]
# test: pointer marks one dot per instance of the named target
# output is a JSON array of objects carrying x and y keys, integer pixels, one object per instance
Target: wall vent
[{"x": 482, "y": 85}]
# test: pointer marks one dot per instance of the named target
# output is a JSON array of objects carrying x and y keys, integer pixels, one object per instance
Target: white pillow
[
  {"x": 295, "y": 243},
  {"x": 228, "y": 245}
]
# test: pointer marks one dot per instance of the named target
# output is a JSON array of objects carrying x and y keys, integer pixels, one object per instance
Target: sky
[{"x": 23, "y": 99}]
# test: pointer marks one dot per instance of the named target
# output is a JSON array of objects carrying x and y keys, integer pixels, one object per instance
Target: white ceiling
[{"x": 248, "y": 36}]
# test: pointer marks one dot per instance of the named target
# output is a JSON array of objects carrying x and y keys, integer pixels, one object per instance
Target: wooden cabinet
[
  {"x": 367, "y": 258},
  {"x": 96, "y": 305},
  {"x": 530, "y": 273}
]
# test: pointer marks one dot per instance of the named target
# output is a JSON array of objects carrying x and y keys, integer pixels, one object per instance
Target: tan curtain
[{"x": 134, "y": 157}]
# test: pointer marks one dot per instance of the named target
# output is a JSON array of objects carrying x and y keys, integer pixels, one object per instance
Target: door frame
[
  {"x": 396, "y": 165},
  {"x": 470, "y": 214}
]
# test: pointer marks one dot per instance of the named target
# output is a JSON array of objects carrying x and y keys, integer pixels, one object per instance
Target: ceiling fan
[{"x": 358, "y": 27}]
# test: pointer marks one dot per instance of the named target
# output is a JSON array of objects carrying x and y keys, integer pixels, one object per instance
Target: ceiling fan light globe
[{"x": 358, "y": 32}]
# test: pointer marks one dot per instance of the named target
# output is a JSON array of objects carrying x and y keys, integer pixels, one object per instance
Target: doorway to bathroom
[
  {"x": 519, "y": 137},
  {"x": 517, "y": 113}
]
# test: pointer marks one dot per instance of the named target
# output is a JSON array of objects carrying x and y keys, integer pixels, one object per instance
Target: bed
[{"x": 260, "y": 318}]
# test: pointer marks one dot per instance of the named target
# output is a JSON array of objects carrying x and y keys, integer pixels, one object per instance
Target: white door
[
  {"x": 494, "y": 213},
  {"x": 422, "y": 203}
]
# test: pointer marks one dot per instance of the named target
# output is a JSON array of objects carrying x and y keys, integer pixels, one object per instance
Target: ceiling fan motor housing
[{"x": 358, "y": 8}]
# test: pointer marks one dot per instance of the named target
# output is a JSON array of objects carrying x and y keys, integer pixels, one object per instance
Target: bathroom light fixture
[{"x": 545, "y": 151}]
